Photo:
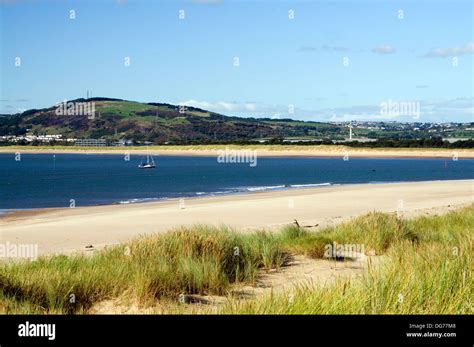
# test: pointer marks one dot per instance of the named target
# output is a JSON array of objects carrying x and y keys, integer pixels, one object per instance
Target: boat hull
[{"x": 146, "y": 166}]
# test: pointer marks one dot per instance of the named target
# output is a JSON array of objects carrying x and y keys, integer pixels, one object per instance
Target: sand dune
[{"x": 65, "y": 230}]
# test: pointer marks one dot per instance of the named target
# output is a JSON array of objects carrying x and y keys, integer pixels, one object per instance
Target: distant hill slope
[
  {"x": 161, "y": 123},
  {"x": 158, "y": 123}
]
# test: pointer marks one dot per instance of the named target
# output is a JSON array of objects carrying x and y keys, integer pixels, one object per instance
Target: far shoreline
[{"x": 323, "y": 151}]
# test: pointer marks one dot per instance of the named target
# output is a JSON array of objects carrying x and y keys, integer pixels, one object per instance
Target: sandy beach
[
  {"x": 71, "y": 229},
  {"x": 262, "y": 151}
]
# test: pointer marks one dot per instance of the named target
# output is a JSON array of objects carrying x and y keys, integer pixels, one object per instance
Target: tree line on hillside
[{"x": 435, "y": 142}]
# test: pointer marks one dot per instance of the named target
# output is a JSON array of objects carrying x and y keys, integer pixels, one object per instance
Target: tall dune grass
[
  {"x": 198, "y": 260},
  {"x": 375, "y": 230},
  {"x": 427, "y": 269}
]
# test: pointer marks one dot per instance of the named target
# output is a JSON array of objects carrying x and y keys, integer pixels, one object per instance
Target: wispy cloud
[
  {"x": 461, "y": 109},
  {"x": 451, "y": 51},
  {"x": 334, "y": 48},
  {"x": 383, "y": 49},
  {"x": 251, "y": 109},
  {"x": 308, "y": 49},
  {"x": 326, "y": 48},
  {"x": 231, "y": 107}
]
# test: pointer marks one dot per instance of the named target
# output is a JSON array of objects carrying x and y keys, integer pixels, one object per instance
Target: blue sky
[{"x": 288, "y": 67}]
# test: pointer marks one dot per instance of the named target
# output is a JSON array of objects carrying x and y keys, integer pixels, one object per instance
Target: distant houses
[
  {"x": 123, "y": 142},
  {"x": 59, "y": 139},
  {"x": 103, "y": 143},
  {"x": 36, "y": 138},
  {"x": 92, "y": 142}
]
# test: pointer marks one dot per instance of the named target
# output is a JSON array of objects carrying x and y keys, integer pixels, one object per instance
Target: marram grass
[
  {"x": 197, "y": 260},
  {"x": 427, "y": 269}
]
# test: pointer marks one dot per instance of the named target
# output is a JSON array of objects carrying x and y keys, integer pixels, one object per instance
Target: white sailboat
[{"x": 148, "y": 164}]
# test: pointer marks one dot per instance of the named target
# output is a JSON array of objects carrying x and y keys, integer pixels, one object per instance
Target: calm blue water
[{"x": 44, "y": 180}]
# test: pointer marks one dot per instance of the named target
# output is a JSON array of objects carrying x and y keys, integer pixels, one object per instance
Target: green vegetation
[
  {"x": 123, "y": 108},
  {"x": 159, "y": 123},
  {"x": 432, "y": 142},
  {"x": 193, "y": 261},
  {"x": 427, "y": 268},
  {"x": 376, "y": 231}
]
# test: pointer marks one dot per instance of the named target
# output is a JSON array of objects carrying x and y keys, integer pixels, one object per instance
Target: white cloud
[
  {"x": 459, "y": 110},
  {"x": 223, "y": 106},
  {"x": 323, "y": 48},
  {"x": 365, "y": 117},
  {"x": 334, "y": 48},
  {"x": 308, "y": 49},
  {"x": 383, "y": 49},
  {"x": 451, "y": 51},
  {"x": 249, "y": 109}
]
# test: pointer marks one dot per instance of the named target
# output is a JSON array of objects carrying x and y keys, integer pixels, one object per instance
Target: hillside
[{"x": 159, "y": 123}]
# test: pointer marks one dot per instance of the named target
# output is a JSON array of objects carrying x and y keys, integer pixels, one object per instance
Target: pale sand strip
[
  {"x": 63, "y": 230},
  {"x": 262, "y": 151}
]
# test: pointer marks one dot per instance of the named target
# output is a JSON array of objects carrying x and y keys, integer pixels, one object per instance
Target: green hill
[{"x": 158, "y": 123}]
